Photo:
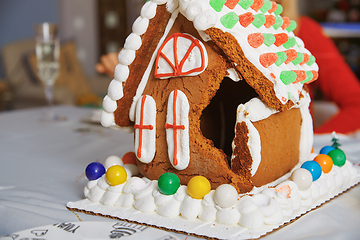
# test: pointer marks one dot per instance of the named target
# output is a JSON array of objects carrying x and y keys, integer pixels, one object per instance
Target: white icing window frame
[
  {"x": 145, "y": 129},
  {"x": 177, "y": 129}
]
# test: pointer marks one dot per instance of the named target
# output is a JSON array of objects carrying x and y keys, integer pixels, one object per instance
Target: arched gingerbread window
[{"x": 180, "y": 55}]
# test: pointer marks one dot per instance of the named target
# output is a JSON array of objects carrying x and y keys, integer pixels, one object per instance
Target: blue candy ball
[
  {"x": 314, "y": 168},
  {"x": 325, "y": 150},
  {"x": 94, "y": 170}
]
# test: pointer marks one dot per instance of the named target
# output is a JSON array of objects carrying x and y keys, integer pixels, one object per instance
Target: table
[{"x": 42, "y": 168}]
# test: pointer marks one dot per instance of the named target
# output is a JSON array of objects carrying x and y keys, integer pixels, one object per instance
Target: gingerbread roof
[{"x": 265, "y": 38}]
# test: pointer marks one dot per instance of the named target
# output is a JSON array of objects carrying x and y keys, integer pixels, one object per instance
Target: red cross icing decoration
[
  {"x": 177, "y": 64},
  {"x": 175, "y": 128},
  {"x": 141, "y": 126}
]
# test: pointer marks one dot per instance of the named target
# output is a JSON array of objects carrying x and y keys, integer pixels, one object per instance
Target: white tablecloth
[{"x": 42, "y": 168}]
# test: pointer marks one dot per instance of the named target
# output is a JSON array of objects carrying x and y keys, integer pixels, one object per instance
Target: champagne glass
[{"x": 47, "y": 55}]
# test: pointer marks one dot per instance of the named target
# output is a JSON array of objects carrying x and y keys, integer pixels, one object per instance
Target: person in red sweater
[{"x": 336, "y": 81}]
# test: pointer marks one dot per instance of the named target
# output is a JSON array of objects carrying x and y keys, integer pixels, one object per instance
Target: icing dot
[
  {"x": 281, "y": 58},
  {"x": 217, "y": 5},
  {"x": 259, "y": 20},
  {"x": 306, "y": 59},
  {"x": 129, "y": 158},
  {"x": 168, "y": 183},
  {"x": 269, "y": 39},
  {"x": 272, "y": 75},
  {"x": 299, "y": 58},
  {"x": 325, "y": 162},
  {"x": 246, "y": 19},
  {"x": 116, "y": 175},
  {"x": 257, "y": 5},
  {"x": 94, "y": 171},
  {"x": 270, "y": 20},
  {"x": 278, "y": 22},
  {"x": 292, "y": 26},
  {"x": 226, "y": 196},
  {"x": 338, "y": 157},
  {"x": 300, "y": 76},
  {"x": 291, "y": 55},
  {"x": 288, "y": 77},
  {"x": 302, "y": 178},
  {"x": 278, "y": 10},
  {"x": 311, "y": 60},
  {"x": 314, "y": 168},
  {"x": 229, "y": 20},
  {"x": 273, "y": 7},
  {"x": 231, "y": 3},
  {"x": 290, "y": 43},
  {"x": 198, "y": 187},
  {"x": 245, "y": 4},
  {"x": 286, "y": 23},
  {"x": 256, "y": 39},
  {"x": 326, "y": 149},
  {"x": 267, "y": 6},
  {"x": 281, "y": 38},
  {"x": 267, "y": 59}
]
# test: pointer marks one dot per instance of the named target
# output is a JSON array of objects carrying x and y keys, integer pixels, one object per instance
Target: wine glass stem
[{"x": 49, "y": 99}]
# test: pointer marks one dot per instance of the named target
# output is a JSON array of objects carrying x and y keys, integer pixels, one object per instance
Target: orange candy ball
[
  {"x": 129, "y": 158},
  {"x": 325, "y": 162}
]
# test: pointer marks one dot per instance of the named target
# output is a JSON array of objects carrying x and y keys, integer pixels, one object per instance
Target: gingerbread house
[{"x": 214, "y": 88}]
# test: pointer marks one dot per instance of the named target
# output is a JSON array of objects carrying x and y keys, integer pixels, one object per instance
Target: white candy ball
[
  {"x": 302, "y": 178},
  {"x": 132, "y": 169},
  {"x": 113, "y": 160},
  {"x": 226, "y": 196}
]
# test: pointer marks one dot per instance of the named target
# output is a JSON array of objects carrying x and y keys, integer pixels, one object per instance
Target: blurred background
[{"x": 90, "y": 28}]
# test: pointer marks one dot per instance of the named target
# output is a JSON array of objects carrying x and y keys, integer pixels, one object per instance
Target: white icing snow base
[{"x": 319, "y": 191}]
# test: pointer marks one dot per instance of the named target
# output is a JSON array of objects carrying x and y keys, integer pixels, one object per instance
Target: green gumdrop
[
  {"x": 311, "y": 61},
  {"x": 299, "y": 58},
  {"x": 290, "y": 43},
  {"x": 338, "y": 157},
  {"x": 269, "y": 39},
  {"x": 281, "y": 58},
  {"x": 266, "y": 7},
  {"x": 279, "y": 22},
  {"x": 259, "y": 20},
  {"x": 279, "y": 10},
  {"x": 287, "y": 77},
  {"x": 292, "y": 26},
  {"x": 229, "y": 20},
  {"x": 309, "y": 76},
  {"x": 245, "y": 4},
  {"x": 168, "y": 183},
  {"x": 217, "y": 5}
]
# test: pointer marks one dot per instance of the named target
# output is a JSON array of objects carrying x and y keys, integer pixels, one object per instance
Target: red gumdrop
[
  {"x": 315, "y": 76},
  {"x": 257, "y": 5},
  {"x": 256, "y": 39},
  {"x": 286, "y": 23},
  {"x": 268, "y": 59},
  {"x": 306, "y": 59},
  {"x": 246, "y": 19},
  {"x": 291, "y": 55},
  {"x": 270, "y": 20},
  {"x": 231, "y": 3},
  {"x": 280, "y": 39},
  {"x": 273, "y": 8},
  {"x": 300, "y": 76}
]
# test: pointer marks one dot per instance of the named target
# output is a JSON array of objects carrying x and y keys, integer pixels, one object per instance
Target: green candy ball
[
  {"x": 168, "y": 183},
  {"x": 338, "y": 157}
]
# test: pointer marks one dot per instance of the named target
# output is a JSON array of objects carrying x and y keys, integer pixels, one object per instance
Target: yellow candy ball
[
  {"x": 116, "y": 175},
  {"x": 198, "y": 187}
]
